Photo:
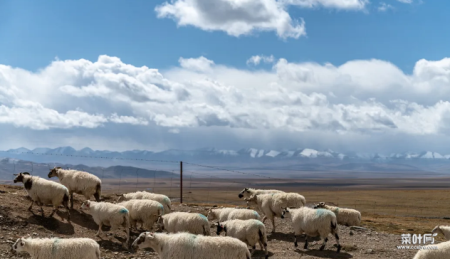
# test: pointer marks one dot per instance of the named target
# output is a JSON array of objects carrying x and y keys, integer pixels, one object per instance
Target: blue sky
[
  {"x": 33, "y": 33},
  {"x": 351, "y": 75}
]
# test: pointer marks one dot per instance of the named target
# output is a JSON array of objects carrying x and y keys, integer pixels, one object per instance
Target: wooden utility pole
[{"x": 181, "y": 182}]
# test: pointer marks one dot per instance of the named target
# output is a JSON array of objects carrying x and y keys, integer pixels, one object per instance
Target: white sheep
[
  {"x": 194, "y": 223},
  {"x": 161, "y": 198},
  {"x": 314, "y": 222},
  {"x": 295, "y": 200},
  {"x": 345, "y": 216},
  {"x": 248, "y": 192},
  {"x": 108, "y": 214},
  {"x": 42, "y": 192},
  {"x": 78, "y": 182},
  {"x": 57, "y": 248},
  {"x": 250, "y": 231},
  {"x": 188, "y": 246},
  {"x": 442, "y": 251},
  {"x": 145, "y": 212},
  {"x": 223, "y": 214},
  {"x": 444, "y": 230},
  {"x": 272, "y": 205}
]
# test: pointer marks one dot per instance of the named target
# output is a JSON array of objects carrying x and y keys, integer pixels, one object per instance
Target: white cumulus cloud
[
  {"x": 199, "y": 98},
  {"x": 255, "y": 60}
]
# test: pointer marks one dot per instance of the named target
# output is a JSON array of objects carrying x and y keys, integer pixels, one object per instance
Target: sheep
[
  {"x": 44, "y": 192},
  {"x": 56, "y": 248},
  {"x": 314, "y": 222},
  {"x": 345, "y": 216},
  {"x": 109, "y": 214},
  {"x": 271, "y": 205},
  {"x": 194, "y": 223},
  {"x": 444, "y": 230},
  {"x": 442, "y": 251},
  {"x": 163, "y": 199},
  {"x": 224, "y": 214},
  {"x": 248, "y": 192},
  {"x": 145, "y": 212},
  {"x": 188, "y": 246},
  {"x": 250, "y": 231},
  {"x": 295, "y": 200},
  {"x": 78, "y": 182}
]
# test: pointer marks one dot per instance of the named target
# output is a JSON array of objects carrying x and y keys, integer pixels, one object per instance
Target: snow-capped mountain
[{"x": 208, "y": 153}]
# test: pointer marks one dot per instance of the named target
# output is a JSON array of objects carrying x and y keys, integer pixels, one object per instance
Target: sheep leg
[
  {"x": 273, "y": 224},
  {"x": 99, "y": 229},
  {"x": 253, "y": 250},
  {"x": 337, "y": 242},
  {"x": 42, "y": 212},
  {"x": 29, "y": 208},
  {"x": 323, "y": 244},
  {"x": 295, "y": 241},
  {"x": 71, "y": 200},
  {"x": 264, "y": 219},
  {"x": 306, "y": 243}
]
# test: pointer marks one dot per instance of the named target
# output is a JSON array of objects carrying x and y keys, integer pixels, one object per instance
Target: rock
[
  {"x": 357, "y": 228},
  {"x": 351, "y": 233},
  {"x": 369, "y": 251}
]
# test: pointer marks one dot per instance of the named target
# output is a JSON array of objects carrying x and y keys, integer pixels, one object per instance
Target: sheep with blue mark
[
  {"x": 57, "y": 248},
  {"x": 250, "y": 231},
  {"x": 223, "y": 214},
  {"x": 143, "y": 195},
  {"x": 175, "y": 222},
  {"x": 145, "y": 212},
  {"x": 345, "y": 216},
  {"x": 188, "y": 246},
  {"x": 108, "y": 214},
  {"x": 272, "y": 205},
  {"x": 314, "y": 222},
  {"x": 43, "y": 192}
]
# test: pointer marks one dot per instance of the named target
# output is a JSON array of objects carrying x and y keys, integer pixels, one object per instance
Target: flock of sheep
[{"x": 188, "y": 234}]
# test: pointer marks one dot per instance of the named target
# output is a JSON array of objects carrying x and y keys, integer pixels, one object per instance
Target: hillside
[
  {"x": 16, "y": 221},
  {"x": 10, "y": 166}
]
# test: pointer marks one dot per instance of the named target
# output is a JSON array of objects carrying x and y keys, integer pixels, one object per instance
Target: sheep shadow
[
  {"x": 324, "y": 253},
  {"x": 84, "y": 220},
  {"x": 289, "y": 237},
  {"x": 107, "y": 243},
  {"x": 261, "y": 253},
  {"x": 51, "y": 224}
]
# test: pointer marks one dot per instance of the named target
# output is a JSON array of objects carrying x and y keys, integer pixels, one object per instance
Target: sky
[{"x": 350, "y": 75}]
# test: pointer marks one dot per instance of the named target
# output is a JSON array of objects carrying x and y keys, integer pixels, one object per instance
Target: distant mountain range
[
  {"x": 10, "y": 166},
  {"x": 286, "y": 162},
  {"x": 247, "y": 153}
]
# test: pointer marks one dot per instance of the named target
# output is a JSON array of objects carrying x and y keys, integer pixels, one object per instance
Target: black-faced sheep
[
  {"x": 108, "y": 214},
  {"x": 58, "y": 248},
  {"x": 345, "y": 216},
  {"x": 43, "y": 192},
  {"x": 250, "y": 231},
  {"x": 189, "y": 246},
  {"x": 194, "y": 223},
  {"x": 78, "y": 182},
  {"x": 314, "y": 222}
]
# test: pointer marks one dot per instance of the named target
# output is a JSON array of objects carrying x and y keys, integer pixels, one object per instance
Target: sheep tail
[
  {"x": 262, "y": 236},
  {"x": 333, "y": 227}
]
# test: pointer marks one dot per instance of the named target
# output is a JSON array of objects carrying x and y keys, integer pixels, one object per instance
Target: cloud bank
[{"x": 200, "y": 101}]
